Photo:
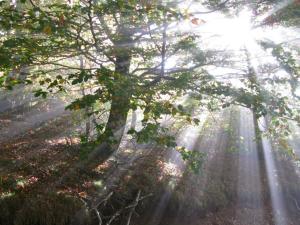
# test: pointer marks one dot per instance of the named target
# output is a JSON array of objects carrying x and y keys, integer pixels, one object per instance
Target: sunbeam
[
  {"x": 274, "y": 184},
  {"x": 249, "y": 181}
]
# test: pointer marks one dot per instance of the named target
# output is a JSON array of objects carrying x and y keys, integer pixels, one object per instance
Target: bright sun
[
  {"x": 234, "y": 32},
  {"x": 222, "y": 31},
  {"x": 237, "y": 31}
]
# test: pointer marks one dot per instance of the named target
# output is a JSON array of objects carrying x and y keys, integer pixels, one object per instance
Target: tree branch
[{"x": 133, "y": 207}]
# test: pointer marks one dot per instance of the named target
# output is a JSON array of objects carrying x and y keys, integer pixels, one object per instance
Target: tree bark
[
  {"x": 133, "y": 120},
  {"x": 120, "y": 100}
]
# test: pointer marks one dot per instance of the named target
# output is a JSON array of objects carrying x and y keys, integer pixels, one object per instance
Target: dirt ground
[{"x": 39, "y": 148}]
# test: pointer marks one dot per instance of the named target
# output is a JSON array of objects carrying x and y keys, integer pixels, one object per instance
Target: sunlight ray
[
  {"x": 274, "y": 184},
  {"x": 249, "y": 181}
]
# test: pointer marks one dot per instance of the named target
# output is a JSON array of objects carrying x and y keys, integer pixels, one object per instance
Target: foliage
[
  {"x": 124, "y": 47},
  {"x": 288, "y": 16},
  {"x": 194, "y": 158}
]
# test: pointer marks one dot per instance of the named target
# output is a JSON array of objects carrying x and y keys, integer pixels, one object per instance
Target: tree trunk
[
  {"x": 114, "y": 130},
  {"x": 133, "y": 120},
  {"x": 120, "y": 101}
]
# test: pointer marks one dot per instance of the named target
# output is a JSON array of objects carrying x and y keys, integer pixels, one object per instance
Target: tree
[{"x": 129, "y": 45}]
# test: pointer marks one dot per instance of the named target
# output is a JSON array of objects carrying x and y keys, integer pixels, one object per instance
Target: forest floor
[{"x": 39, "y": 148}]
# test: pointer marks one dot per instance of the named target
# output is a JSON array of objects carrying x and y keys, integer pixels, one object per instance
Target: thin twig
[
  {"x": 130, "y": 206},
  {"x": 134, "y": 206},
  {"x": 98, "y": 216},
  {"x": 104, "y": 200}
]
